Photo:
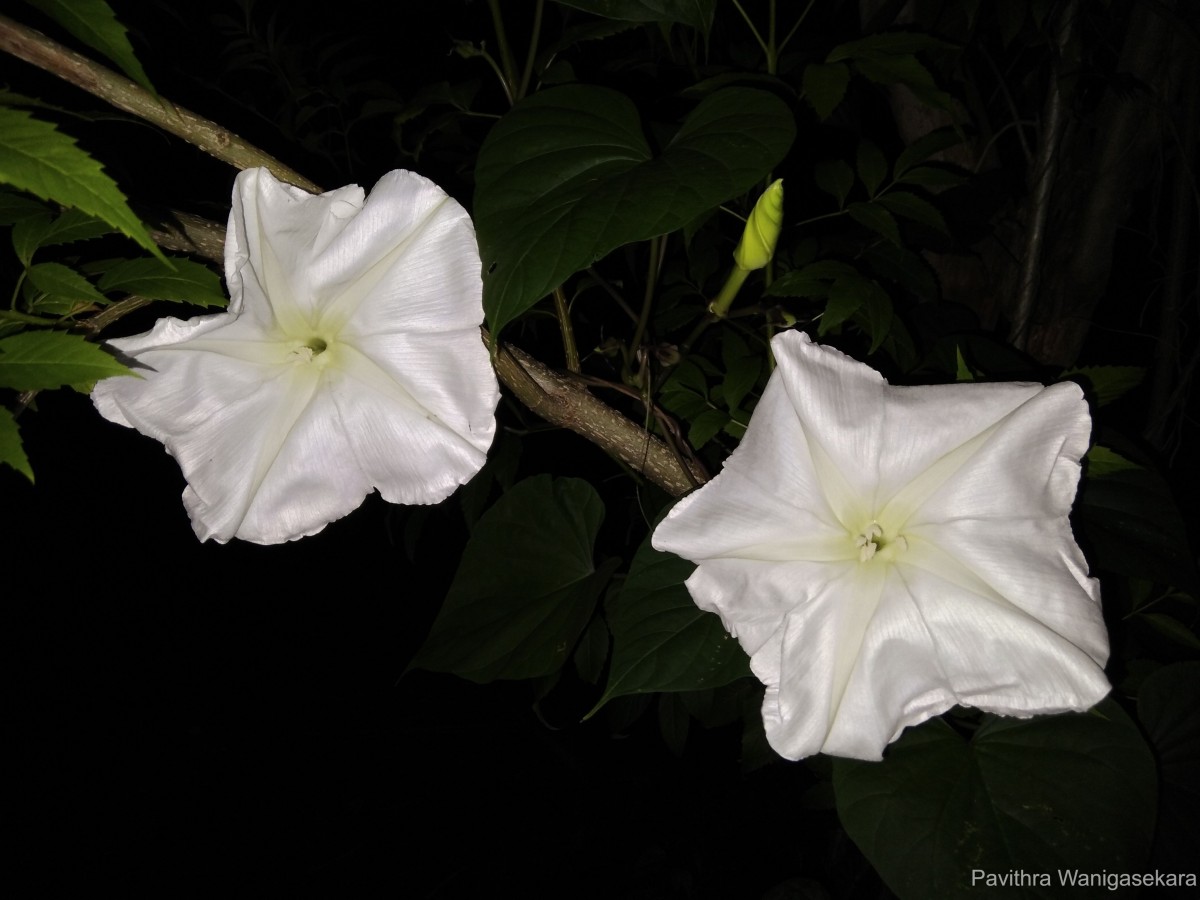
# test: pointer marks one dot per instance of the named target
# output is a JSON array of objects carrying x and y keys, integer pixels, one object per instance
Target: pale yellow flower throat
[{"x": 872, "y": 542}]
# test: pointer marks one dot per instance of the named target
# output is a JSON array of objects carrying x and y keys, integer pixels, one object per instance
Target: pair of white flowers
[{"x": 881, "y": 552}]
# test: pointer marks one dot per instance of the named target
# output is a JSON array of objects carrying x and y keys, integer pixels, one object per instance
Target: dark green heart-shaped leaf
[
  {"x": 1135, "y": 529},
  {"x": 568, "y": 176},
  {"x": 1169, "y": 709},
  {"x": 834, "y": 177},
  {"x": 872, "y": 166},
  {"x": 825, "y": 85},
  {"x": 661, "y": 640},
  {"x": 1051, "y": 795},
  {"x": 526, "y": 585}
]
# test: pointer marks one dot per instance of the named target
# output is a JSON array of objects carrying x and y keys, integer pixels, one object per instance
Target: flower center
[
  {"x": 311, "y": 349},
  {"x": 872, "y": 541}
]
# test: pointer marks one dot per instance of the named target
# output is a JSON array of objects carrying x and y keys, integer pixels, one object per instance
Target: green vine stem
[
  {"x": 506, "y": 54},
  {"x": 563, "y": 312},
  {"x": 523, "y": 89},
  {"x": 38, "y": 50}
]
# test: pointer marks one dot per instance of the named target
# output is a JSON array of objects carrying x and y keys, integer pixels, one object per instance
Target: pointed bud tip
[{"x": 761, "y": 234}]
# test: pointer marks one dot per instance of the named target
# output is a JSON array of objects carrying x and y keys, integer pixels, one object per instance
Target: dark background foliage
[{"x": 237, "y": 718}]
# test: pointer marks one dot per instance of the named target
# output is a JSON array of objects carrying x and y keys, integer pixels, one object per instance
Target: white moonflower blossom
[
  {"x": 883, "y": 553},
  {"x": 350, "y": 359}
]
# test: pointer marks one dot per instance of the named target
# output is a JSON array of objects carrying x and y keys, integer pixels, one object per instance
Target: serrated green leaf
[
  {"x": 706, "y": 426},
  {"x": 962, "y": 372},
  {"x": 57, "y": 280},
  {"x": 904, "y": 267},
  {"x": 526, "y": 586},
  {"x": 14, "y": 207},
  {"x": 35, "y": 232},
  {"x": 918, "y": 209},
  {"x": 924, "y": 147},
  {"x": 94, "y": 23},
  {"x": 12, "y": 453},
  {"x": 878, "y": 219},
  {"x": 846, "y": 296},
  {"x": 190, "y": 282},
  {"x": 661, "y": 640},
  {"x": 37, "y": 360},
  {"x": 1044, "y": 795},
  {"x": 740, "y": 378},
  {"x": 824, "y": 86},
  {"x": 876, "y": 316},
  {"x": 872, "y": 166},
  {"x": 27, "y": 236},
  {"x": 1107, "y": 383},
  {"x": 834, "y": 177},
  {"x": 886, "y": 44},
  {"x": 889, "y": 70},
  {"x": 567, "y": 176},
  {"x": 37, "y": 157},
  {"x": 696, "y": 13},
  {"x": 812, "y": 280}
]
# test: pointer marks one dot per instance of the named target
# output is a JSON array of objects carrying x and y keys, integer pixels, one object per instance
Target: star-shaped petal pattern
[{"x": 883, "y": 552}]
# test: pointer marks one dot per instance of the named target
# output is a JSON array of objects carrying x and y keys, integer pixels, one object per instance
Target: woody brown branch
[{"x": 556, "y": 397}]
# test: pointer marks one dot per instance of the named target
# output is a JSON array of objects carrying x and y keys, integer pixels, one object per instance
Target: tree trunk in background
[
  {"x": 1104, "y": 165},
  {"x": 1100, "y": 165}
]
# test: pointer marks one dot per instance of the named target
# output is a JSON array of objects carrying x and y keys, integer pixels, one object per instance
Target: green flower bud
[{"x": 757, "y": 245}]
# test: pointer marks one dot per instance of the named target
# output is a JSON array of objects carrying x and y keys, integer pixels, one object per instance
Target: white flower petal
[
  {"x": 260, "y": 460},
  {"x": 763, "y": 503},
  {"x": 408, "y": 451},
  {"x": 957, "y": 579},
  {"x": 275, "y": 230},
  {"x": 398, "y": 266},
  {"x": 350, "y": 359}
]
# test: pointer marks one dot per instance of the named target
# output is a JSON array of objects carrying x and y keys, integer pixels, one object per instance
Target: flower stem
[
  {"x": 506, "y": 54},
  {"x": 796, "y": 27},
  {"x": 758, "y": 37},
  {"x": 532, "y": 54},
  {"x": 568, "y": 334},
  {"x": 648, "y": 298},
  {"x": 720, "y": 304}
]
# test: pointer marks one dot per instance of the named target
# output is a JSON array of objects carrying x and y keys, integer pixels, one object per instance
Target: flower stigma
[
  {"x": 871, "y": 542},
  {"x": 313, "y": 349}
]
